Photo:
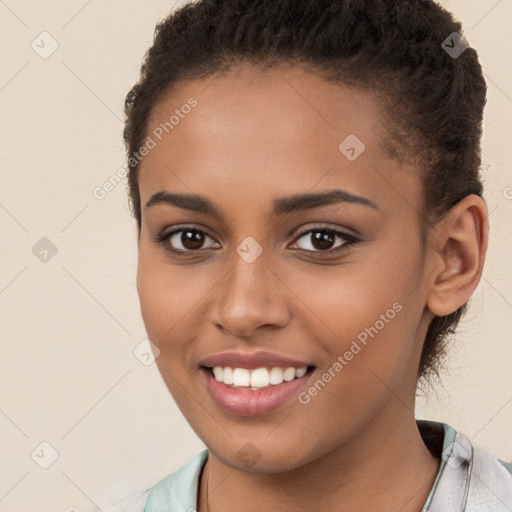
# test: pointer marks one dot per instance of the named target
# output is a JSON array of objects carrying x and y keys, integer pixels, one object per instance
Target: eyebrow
[{"x": 281, "y": 206}]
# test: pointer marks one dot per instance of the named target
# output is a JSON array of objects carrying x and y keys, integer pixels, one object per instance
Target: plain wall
[{"x": 70, "y": 324}]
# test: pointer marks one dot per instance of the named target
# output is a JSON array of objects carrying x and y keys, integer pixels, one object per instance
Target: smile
[
  {"x": 245, "y": 392},
  {"x": 258, "y": 378}
]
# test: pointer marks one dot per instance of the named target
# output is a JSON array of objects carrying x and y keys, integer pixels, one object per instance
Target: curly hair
[{"x": 434, "y": 100}]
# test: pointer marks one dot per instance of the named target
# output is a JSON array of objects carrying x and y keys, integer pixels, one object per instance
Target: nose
[{"x": 250, "y": 298}]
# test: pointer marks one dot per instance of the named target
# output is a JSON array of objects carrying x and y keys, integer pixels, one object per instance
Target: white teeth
[
  {"x": 218, "y": 373},
  {"x": 289, "y": 374},
  {"x": 258, "y": 378},
  {"x": 228, "y": 376},
  {"x": 299, "y": 373},
  {"x": 276, "y": 376},
  {"x": 241, "y": 377}
]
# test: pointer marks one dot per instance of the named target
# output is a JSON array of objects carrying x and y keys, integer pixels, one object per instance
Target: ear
[{"x": 458, "y": 244}]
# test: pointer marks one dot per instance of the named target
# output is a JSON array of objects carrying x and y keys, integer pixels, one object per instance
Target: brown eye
[
  {"x": 324, "y": 240},
  {"x": 191, "y": 239},
  {"x": 185, "y": 240}
]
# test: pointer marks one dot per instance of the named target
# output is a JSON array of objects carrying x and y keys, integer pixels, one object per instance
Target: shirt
[{"x": 469, "y": 479}]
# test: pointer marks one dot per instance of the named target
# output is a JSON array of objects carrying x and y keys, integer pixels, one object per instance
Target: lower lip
[{"x": 245, "y": 402}]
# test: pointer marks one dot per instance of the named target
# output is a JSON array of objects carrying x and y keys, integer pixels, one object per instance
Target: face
[{"x": 303, "y": 251}]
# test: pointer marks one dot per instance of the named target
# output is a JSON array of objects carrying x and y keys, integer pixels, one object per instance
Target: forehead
[
  {"x": 247, "y": 99},
  {"x": 281, "y": 129}
]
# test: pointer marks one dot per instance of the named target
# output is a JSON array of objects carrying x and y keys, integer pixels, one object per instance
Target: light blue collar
[{"x": 178, "y": 491}]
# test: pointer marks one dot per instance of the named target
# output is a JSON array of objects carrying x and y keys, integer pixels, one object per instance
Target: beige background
[{"x": 69, "y": 325}]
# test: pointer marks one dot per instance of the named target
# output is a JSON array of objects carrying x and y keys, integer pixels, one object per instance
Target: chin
[{"x": 262, "y": 457}]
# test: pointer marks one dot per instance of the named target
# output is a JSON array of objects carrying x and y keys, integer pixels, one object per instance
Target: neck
[{"x": 385, "y": 467}]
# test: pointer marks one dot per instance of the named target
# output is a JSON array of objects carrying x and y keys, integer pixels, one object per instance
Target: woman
[{"x": 305, "y": 180}]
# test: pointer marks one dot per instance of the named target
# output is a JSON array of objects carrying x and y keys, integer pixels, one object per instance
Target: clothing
[{"x": 469, "y": 479}]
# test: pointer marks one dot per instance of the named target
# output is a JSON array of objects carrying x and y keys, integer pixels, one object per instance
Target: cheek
[
  {"x": 160, "y": 294},
  {"x": 363, "y": 309},
  {"x": 172, "y": 299},
  {"x": 352, "y": 294},
  {"x": 156, "y": 302},
  {"x": 167, "y": 303}
]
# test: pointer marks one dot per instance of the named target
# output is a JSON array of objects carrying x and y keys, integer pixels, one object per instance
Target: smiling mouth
[{"x": 257, "y": 378}]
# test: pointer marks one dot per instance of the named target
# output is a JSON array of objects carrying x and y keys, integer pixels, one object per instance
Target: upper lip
[{"x": 252, "y": 361}]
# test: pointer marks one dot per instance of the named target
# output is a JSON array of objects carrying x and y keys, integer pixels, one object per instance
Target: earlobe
[{"x": 458, "y": 244}]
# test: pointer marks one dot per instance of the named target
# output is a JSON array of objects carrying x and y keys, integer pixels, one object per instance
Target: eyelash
[{"x": 350, "y": 241}]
